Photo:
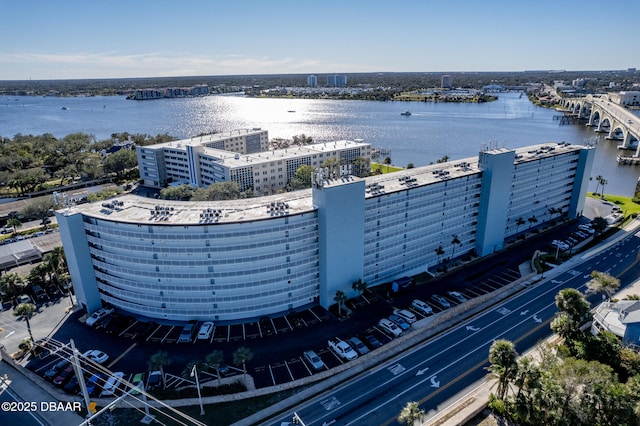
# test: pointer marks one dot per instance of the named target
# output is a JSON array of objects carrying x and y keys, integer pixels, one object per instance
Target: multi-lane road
[{"x": 447, "y": 364}]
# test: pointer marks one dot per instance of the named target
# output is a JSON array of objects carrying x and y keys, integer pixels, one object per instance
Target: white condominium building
[
  {"x": 240, "y": 156},
  {"x": 244, "y": 259}
]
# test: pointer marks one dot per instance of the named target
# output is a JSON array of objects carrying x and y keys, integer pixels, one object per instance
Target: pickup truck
[{"x": 342, "y": 349}]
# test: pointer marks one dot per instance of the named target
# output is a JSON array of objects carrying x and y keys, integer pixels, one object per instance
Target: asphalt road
[{"x": 444, "y": 366}]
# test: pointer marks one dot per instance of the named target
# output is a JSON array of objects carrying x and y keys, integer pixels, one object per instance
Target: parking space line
[
  {"x": 273, "y": 379},
  {"x": 213, "y": 333},
  {"x": 154, "y": 332},
  {"x": 127, "y": 329},
  {"x": 259, "y": 328},
  {"x": 275, "y": 330},
  {"x": 121, "y": 355},
  {"x": 315, "y": 315},
  {"x": 286, "y": 364},
  {"x": 306, "y": 366},
  {"x": 244, "y": 334},
  {"x": 228, "y": 332},
  {"x": 167, "y": 335},
  {"x": 288, "y": 323}
]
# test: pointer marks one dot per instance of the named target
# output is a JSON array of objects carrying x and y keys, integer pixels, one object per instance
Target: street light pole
[{"x": 194, "y": 372}]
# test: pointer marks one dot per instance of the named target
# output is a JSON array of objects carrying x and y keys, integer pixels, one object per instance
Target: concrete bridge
[{"x": 606, "y": 116}]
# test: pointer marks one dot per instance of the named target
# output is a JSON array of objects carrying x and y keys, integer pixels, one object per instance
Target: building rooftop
[{"x": 136, "y": 209}]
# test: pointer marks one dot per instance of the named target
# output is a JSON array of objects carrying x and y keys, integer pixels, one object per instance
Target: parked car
[
  {"x": 62, "y": 377},
  {"x": 112, "y": 383},
  {"x": 38, "y": 292},
  {"x": 422, "y": 306},
  {"x": 205, "y": 330},
  {"x": 358, "y": 345},
  {"x": 93, "y": 384},
  {"x": 72, "y": 385},
  {"x": 560, "y": 245},
  {"x": 441, "y": 301},
  {"x": 138, "y": 382},
  {"x": 390, "y": 327},
  {"x": 406, "y": 315},
  {"x": 314, "y": 360},
  {"x": 342, "y": 349},
  {"x": 154, "y": 380},
  {"x": 51, "y": 373},
  {"x": 98, "y": 316},
  {"x": 187, "y": 333},
  {"x": 586, "y": 228},
  {"x": 372, "y": 341},
  {"x": 24, "y": 298},
  {"x": 96, "y": 356},
  {"x": 400, "y": 322},
  {"x": 457, "y": 296}
]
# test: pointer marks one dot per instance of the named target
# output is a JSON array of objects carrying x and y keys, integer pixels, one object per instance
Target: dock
[
  {"x": 633, "y": 161},
  {"x": 570, "y": 119}
]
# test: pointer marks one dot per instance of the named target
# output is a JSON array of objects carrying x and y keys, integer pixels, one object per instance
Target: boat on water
[
  {"x": 292, "y": 110},
  {"x": 406, "y": 113},
  {"x": 64, "y": 108}
]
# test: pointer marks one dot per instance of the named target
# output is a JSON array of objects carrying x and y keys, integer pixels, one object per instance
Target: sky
[{"x": 76, "y": 39}]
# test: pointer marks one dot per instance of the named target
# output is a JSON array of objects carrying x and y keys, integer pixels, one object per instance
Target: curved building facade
[{"x": 244, "y": 259}]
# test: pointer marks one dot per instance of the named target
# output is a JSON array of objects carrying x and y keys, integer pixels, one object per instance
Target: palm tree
[
  {"x": 598, "y": 181},
  {"x": 603, "y": 283},
  {"x": 454, "y": 241},
  {"x": 439, "y": 252},
  {"x": 25, "y": 310},
  {"x": 11, "y": 284},
  {"x": 359, "y": 286},
  {"x": 504, "y": 365},
  {"x": 214, "y": 359},
  {"x": 340, "y": 298},
  {"x": 532, "y": 220},
  {"x": 240, "y": 357},
  {"x": 158, "y": 361},
  {"x": 387, "y": 161},
  {"x": 411, "y": 413},
  {"x": 15, "y": 223},
  {"x": 519, "y": 222},
  {"x": 603, "y": 182}
]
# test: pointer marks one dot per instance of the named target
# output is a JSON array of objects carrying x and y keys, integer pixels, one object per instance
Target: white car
[
  {"x": 98, "y": 315},
  {"x": 314, "y": 360},
  {"x": 96, "y": 356},
  {"x": 441, "y": 301},
  {"x": 560, "y": 245},
  {"x": 205, "y": 330},
  {"x": 457, "y": 295},
  {"x": 422, "y": 306},
  {"x": 111, "y": 384},
  {"x": 406, "y": 315},
  {"x": 586, "y": 228},
  {"x": 390, "y": 327}
]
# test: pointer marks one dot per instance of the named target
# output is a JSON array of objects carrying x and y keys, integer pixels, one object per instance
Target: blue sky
[{"x": 67, "y": 39}]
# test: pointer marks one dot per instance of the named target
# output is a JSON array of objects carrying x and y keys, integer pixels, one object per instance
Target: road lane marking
[{"x": 121, "y": 355}]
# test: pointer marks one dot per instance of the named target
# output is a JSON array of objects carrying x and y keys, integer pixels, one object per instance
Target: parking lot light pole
[{"x": 194, "y": 372}]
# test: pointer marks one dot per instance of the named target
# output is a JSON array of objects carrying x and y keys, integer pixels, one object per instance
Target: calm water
[{"x": 432, "y": 131}]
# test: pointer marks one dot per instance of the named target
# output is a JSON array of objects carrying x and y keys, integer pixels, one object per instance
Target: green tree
[
  {"x": 361, "y": 167},
  {"x": 119, "y": 162},
  {"x": 519, "y": 222},
  {"x": 599, "y": 224},
  {"x": 359, "y": 286},
  {"x": 15, "y": 223},
  {"x": 181, "y": 192},
  {"x": 598, "y": 181},
  {"x": 214, "y": 359},
  {"x": 603, "y": 182},
  {"x": 220, "y": 191},
  {"x": 301, "y": 178},
  {"x": 241, "y": 356},
  {"x": 333, "y": 166},
  {"x": 39, "y": 208},
  {"x": 603, "y": 283},
  {"x": 340, "y": 298},
  {"x": 455, "y": 241},
  {"x": 159, "y": 360},
  {"x": 25, "y": 310},
  {"x": 439, "y": 252},
  {"x": 411, "y": 413},
  {"x": 387, "y": 162},
  {"x": 504, "y": 365},
  {"x": 11, "y": 285},
  {"x": 574, "y": 311},
  {"x": 532, "y": 220}
]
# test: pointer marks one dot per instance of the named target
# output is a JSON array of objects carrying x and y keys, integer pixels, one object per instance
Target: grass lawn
[
  {"x": 627, "y": 206},
  {"x": 384, "y": 168}
]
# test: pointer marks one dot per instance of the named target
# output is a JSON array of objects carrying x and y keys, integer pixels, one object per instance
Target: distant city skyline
[{"x": 77, "y": 39}]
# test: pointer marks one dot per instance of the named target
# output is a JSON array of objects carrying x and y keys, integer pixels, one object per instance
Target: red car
[{"x": 64, "y": 375}]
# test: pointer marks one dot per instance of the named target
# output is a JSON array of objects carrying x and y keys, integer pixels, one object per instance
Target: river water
[{"x": 434, "y": 130}]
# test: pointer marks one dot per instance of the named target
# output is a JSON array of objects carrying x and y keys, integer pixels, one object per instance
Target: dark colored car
[
  {"x": 372, "y": 341},
  {"x": 94, "y": 383},
  {"x": 63, "y": 376},
  {"x": 72, "y": 386},
  {"x": 55, "y": 369}
]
